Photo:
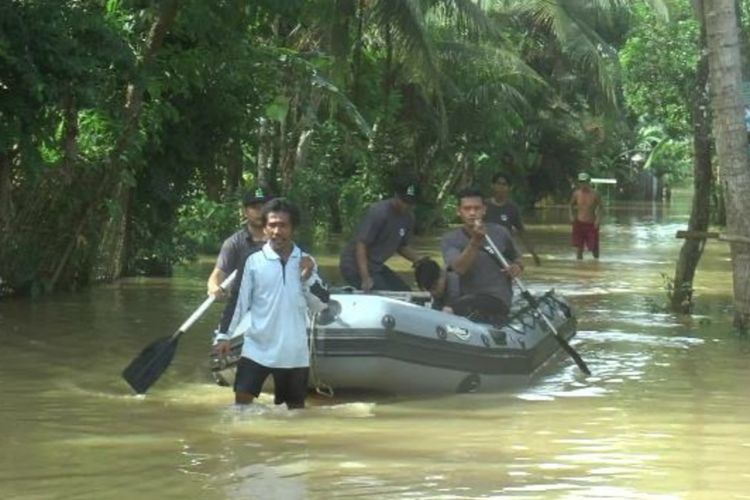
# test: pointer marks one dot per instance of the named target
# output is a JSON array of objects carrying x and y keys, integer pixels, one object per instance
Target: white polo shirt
[{"x": 272, "y": 294}]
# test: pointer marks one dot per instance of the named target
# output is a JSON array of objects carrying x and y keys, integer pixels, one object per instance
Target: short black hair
[
  {"x": 284, "y": 206},
  {"x": 501, "y": 175},
  {"x": 427, "y": 274},
  {"x": 469, "y": 192}
]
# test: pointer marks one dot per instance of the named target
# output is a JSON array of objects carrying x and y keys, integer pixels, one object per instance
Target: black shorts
[{"x": 290, "y": 384}]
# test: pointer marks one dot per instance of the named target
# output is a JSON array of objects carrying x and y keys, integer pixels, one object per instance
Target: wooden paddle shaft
[
  {"x": 520, "y": 284},
  {"x": 204, "y": 306},
  {"x": 504, "y": 261}
]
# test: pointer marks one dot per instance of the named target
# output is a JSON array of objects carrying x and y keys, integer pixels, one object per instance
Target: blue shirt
[{"x": 272, "y": 296}]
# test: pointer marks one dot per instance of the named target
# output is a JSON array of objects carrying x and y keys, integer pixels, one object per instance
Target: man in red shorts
[{"x": 585, "y": 214}]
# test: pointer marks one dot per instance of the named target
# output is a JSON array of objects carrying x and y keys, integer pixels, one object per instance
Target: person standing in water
[
  {"x": 272, "y": 292},
  {"x": 585, "y": 215},
  {"x": 501, "y": 210},
  {"x": 234, "y": 252}
]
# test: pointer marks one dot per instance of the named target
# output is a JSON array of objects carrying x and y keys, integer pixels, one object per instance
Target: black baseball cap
[
  {"x": 259, "y": 195},
  {"x": 406, "y": 190}
]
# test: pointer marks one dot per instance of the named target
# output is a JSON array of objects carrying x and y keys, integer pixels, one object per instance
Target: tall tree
[
  {"x": 692, "y": 249},
  {"x": 725, "y": 67}
]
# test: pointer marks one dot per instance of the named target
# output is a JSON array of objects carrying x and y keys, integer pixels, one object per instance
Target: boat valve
[{"x": 388, "y": 322}]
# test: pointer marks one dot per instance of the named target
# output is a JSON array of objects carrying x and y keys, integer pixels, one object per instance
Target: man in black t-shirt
[
  {"x": 466, "y": 253},
  {"x": 384, "y": 230},
  {"x": 501, "y": 210}
]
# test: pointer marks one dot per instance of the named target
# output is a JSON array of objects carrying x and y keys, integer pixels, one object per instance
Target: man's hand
[
  {"x": 514, "y": 270},
  {"x": 367, "y": 284},
  {"x": 307, "y": 266},
  {"x": 477, "y": 233},
  {"x": 213, "y": 286},
  {"x": 216, "y": 291},
  {"x": 222, "y": 348}
]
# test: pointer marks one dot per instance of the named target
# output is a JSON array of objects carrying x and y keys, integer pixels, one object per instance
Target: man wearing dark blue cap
[
  {"x": 384, "y": 230},
  {"x": 236, "y": 249}
]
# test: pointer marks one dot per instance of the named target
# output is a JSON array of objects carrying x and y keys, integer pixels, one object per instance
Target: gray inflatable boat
[{"x": 394, "y": 343}]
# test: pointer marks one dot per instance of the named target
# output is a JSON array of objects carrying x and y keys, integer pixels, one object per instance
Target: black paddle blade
[
  {"x": 573, "y": 354},
  {"x": 146, "y": 369}
]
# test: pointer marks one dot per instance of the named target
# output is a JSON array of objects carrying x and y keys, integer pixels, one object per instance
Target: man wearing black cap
[
  {"x": 234, "y": 252},
  {"x": 384, "y": 231},
  {"x": 236, "y": 249}
]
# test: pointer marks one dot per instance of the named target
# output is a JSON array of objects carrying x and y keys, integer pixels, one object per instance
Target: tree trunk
[
  {"x": 731, "y": 141},
  {"x": 454, "y": 177},
  {"x": 134, "y": 91},
  {"x": 112, "y": 176},
  {"x": 265, "y": 154},
  {"x": 301, "y": 139},
  {"x": 5, "y": 191},
  {"x": 681, "y": 299},
  {"x": 357, "y": 49},
  {"x": 70, "y": 136},
  {"x": 234, "y": 166}
]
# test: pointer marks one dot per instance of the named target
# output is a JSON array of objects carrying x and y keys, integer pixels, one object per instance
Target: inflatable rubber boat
[{"x": 395, "y": 343}]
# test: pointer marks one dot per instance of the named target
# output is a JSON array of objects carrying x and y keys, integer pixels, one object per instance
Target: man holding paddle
[
  {"x": 466, "y": 253},
  {"x": 236, "y": 249},
  {"x": 234, "y": 252},
  {"x": 272, "y": 293}
]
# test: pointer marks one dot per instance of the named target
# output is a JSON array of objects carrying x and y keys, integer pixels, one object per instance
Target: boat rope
[{"x": 320, "y": 387}]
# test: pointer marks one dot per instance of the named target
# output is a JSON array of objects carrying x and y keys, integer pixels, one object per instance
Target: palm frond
[{"x": 580, "y": 42}]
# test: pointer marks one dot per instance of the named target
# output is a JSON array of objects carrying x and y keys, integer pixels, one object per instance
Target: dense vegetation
[{"x": 128, "y": 128}]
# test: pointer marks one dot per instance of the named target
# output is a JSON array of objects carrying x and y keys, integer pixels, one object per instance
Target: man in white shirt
[{"x": 272, "y": 292}]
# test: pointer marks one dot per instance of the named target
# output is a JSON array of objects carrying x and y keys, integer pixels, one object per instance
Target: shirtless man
[{"x": 585, "y": 215}]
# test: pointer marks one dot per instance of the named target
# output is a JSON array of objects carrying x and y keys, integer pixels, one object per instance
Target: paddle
[
  {"x": 149, "y": 365},
  {"x": 535, "y": 304}
]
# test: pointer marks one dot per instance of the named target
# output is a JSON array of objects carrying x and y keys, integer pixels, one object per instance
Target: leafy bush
[{"x": 203, "y": 224}]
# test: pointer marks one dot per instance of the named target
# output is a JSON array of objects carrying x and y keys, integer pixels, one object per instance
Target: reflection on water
[{"x": 663, "y": 415}]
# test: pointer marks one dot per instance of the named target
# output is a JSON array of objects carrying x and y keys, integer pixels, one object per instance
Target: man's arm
[
  {"x": 224, "y": 265},
  {"x": 216, "y": 278},
  {"x": 465, "y": 259},
  {"x": 362, "y": 267},
  {"x": 572, "y": 206},
  {"x": 315, "y": 290},
  {"x": 408, "y": 253}
]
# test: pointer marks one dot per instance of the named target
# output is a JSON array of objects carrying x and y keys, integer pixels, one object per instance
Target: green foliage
[
  {"x": 324, "y": 102},
  {"x": 204, "y": 224},
  {"x": 659, "y": 61}
]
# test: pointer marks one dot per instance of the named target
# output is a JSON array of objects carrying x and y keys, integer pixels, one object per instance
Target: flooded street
[{"x": 664, "y": 415}]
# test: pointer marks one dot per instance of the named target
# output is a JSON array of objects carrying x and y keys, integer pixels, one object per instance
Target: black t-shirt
[{"x": 507, "y": 215}]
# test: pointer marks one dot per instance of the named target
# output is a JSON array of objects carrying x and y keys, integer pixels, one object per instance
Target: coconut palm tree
[{"x": 725, "y": 67}]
